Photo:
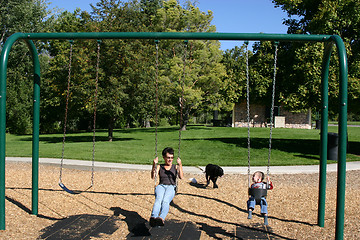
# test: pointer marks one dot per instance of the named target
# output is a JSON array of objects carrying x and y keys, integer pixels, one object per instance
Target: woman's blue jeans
[{"x": 164, "y": 194}]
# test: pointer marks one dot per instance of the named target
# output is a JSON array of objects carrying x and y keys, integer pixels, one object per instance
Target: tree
[
  {"x": 21, "y": 16},
  {"x": 82, "y": 80},
  {"x": 324, "y": 17},
  {"x": 130, "y": 63},
  {"x": 123, "y": 69},
  {"x": 261, "y": 73},
  {"x": 199, "y": 82},
  {"x": 126, "y": 88},
  {"x": 234, "y": 61},
  {"x": 125, "y": 64}
]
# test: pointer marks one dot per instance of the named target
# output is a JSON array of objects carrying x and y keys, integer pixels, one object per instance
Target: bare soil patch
[{"x": 118, "y": 201}]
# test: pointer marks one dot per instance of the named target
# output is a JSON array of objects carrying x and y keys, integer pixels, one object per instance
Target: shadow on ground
[
  {"x": 86, "y": 226},
  {"x": 139, "y": 227},
  {"x": 83, "y": 226}
]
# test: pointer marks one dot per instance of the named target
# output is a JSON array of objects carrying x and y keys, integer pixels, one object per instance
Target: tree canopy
[
  {"x": 323, "y": 17},
  {"x": 21, "y": 16},
  {"x": 193, "y": 74},
  {"x": 127, "y": 69}
]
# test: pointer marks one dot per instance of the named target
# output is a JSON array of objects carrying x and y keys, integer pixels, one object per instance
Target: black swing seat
[{"x": 257, "y": 193}]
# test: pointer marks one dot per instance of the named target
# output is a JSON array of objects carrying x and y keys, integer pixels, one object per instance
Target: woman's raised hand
[{"x": 156, "y": 160}]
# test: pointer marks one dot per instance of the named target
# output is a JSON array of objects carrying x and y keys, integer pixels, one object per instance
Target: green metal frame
[{"x": 328, "y": 40}]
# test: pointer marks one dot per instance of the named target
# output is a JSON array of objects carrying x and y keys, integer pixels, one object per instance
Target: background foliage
[{"x": 212, "y": 79}]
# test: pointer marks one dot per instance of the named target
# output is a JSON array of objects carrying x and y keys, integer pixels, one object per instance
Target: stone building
[{"x": 260, "y": 117}]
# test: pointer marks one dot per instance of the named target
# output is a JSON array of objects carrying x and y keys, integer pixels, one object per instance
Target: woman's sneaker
[
  {"x": 153, "y": 222},
  {"x": 159, "y": 221}
]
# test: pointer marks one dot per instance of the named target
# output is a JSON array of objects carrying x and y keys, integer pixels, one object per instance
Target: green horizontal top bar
[{"x": 175, "y": 35}]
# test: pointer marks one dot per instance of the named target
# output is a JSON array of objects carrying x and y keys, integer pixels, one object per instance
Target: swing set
[{"x": 328, "y": 40}]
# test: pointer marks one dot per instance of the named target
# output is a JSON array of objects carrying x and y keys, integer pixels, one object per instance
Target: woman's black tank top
[{"x": 167, "y": 177}]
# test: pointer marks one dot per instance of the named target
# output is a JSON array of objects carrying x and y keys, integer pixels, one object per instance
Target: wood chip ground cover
[{"x": 118, "y": 206}]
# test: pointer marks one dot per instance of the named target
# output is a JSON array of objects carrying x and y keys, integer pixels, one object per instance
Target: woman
[{"x": 165, "y": 191}]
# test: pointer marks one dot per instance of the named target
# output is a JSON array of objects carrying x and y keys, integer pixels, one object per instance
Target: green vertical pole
[
  {"x": 324, "y": 132},
  {"x": 341, "y": 178},
  {"x": 36, "y": 122},
  {"x": 3, "y": 69}
]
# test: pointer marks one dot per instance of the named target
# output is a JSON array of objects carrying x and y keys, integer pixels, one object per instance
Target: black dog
[{"x": 212, "y": 173}]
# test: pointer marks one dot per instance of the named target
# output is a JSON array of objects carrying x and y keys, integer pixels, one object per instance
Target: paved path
[{"x": 105, "y": 166}]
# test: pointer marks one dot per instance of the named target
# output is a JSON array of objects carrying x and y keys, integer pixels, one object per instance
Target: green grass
[
  {"x": 349, "y": 123},
  {"x": 200, "y": 145}
]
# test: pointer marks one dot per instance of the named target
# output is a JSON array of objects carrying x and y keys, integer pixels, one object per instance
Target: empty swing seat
[
  {"x": 66, "y": 189},
  {"x": 257, "y": 193}
]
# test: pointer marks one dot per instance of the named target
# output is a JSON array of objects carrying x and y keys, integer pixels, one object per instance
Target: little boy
[{"x": 258, "y": 178}]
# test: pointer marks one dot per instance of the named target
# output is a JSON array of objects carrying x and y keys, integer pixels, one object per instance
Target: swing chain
[
  {"x": 156, "y": 105},
  {"x": 248, "y": 106},
  {"x": 156, "y": 95},
  {"x": 95, "y": 108},
  {"x": 271, "y": 112},
  {"x": 181, "y": 101},
  {"x": 66, "y": 109},
  {"x": 272, "y": 107}
]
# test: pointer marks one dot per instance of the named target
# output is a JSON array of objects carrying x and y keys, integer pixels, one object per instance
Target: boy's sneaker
[
  {"x": 250, "y": 215},
  {"x": 266, "y": 220}
]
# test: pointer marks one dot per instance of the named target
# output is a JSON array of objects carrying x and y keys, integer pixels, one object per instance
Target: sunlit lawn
[{"x": 200, "y": 145}]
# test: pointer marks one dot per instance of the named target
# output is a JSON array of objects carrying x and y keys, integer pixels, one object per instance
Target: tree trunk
[
  {"x": 184, "y": 122},
  {"x": 111, "y": 129}
]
